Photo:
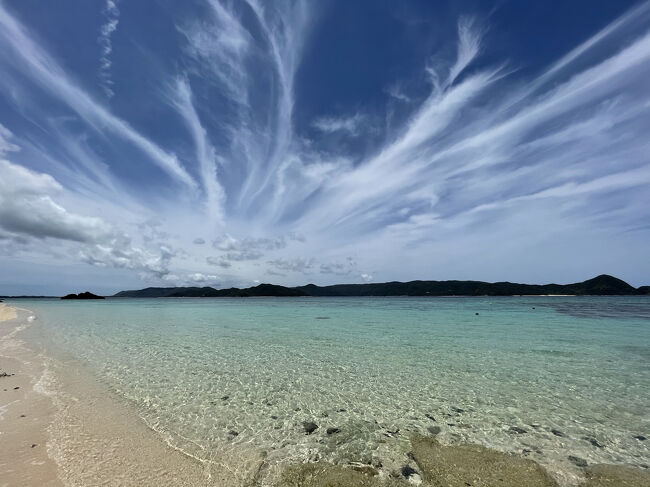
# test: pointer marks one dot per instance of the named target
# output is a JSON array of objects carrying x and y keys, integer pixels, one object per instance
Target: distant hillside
[
  {"x": 205, "y": 292},
  {"x": 601, "y": 285}
]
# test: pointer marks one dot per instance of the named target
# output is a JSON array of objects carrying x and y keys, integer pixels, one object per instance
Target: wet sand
[{"x": 59, "y": 426}]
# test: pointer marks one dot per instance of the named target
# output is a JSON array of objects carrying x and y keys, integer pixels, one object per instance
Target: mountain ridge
[{"x": 602, "y": 285}]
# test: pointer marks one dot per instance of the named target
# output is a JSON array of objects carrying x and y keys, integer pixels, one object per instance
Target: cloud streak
[
  {"x": 39, "y": 66},
  {"x": 112, "y": 15}
]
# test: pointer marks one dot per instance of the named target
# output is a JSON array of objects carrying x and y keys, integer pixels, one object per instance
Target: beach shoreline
[
  {"x": 71, "y": 432},
  {"x": 25, "y": 414},
  {"x": 81, "y": 435}
]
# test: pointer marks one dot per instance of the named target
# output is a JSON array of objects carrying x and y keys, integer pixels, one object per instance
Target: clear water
[{"x": 198, "y": 370}]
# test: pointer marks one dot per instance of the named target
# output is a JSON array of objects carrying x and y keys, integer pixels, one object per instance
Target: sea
[{"x": 559, "y": 379}]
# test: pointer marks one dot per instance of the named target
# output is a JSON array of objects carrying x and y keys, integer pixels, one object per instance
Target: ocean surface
[{"x": 545, "y": 377}]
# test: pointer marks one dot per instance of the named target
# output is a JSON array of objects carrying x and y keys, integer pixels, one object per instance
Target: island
[
  {"x": 84, "y": 295},
  {"x": 603, "y": 285}
]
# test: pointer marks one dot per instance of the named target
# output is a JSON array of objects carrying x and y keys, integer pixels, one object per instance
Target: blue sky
[{"x": 230, "y": 142}]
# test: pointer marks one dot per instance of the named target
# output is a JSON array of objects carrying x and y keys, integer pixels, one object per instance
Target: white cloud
[
  {"x": 27, "y": 208},
  {"x": 37, "y": 64},
  {"x": 352, "y": 125},
  {"x": 112, "y": 14},
  {"x": 205, "y": 152},
  {"x": 293, "y": 265},
  {"x": 199, "y": 278},
  {"x": 218, "y": 261},
  {"x": 5, "y": 144},
  {"x": 221, "y": 44},
  {"x": 366, "y": 277}
]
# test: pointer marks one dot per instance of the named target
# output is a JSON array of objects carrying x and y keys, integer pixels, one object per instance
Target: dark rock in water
[
  {"x": 616, "y": 475},
  {"x": 4, "y": 374},
  {"x": 309, "y": 427},
  {"x": 274, "y": 417},
  {"x": 580, "y": 462},
  {"x": 640, "y": 438},
  {"x": 558, "y": 433},
  {"x": 233, "y": 433},
  {"x": 16, "y": 388},
  {"x": 518, "y": 430},
  {"x": 332, "y": 431},
  {"x": 366, "y": 470},
  {"x": 85, "y": 295},
  {"x": 434, "y": 430},
  {"x": 322, "y": 474},
  {"x": 341, "y": 410},
  {"x": 225, "y": 398},
  {"x": 593, "y": 441},
  {"x": 34, "y": 445},
  {"x": 476, "y": 314},
  {"x": 430, "y": 417},
  {"x": 407, "y": 471}
]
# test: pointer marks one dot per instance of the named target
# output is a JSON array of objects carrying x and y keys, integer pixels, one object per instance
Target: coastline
[
  {"x": 25, "y": 414},
  {"x": 81, "y": 435},
  {"x": 84, "y": 436}
]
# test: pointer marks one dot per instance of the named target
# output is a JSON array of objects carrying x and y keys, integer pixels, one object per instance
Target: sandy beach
[
  {"x": 76, "y": 435},
  {"x": 60, "y": 427}
]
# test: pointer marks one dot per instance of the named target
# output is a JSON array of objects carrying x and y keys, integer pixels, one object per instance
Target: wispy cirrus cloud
[
  {"x": 206, "y": 155},
  {"x": 31, "y": 59},
  {"x": 112, "y": 15},
  {"x": 351, "y": 125}
]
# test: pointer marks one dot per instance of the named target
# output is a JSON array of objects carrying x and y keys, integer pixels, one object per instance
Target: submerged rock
[
  {"x": 332, "y": 431},
  {"x": 309, "y": 427},
  {"x": 616, "y": 475},
  {"x": 640, "y": 438},
  {"x": 434, "y": 430},
  {"x": 594, "y": 442},
  {"x": 407, "y": 471},
  {"x": 459, "y": 466},
  {"x": 322, "y": 474},
  {"x": 558, "y": 433},
  {"x": 579, "y": 462}
]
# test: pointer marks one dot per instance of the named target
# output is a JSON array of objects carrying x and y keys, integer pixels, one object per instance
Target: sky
[{"x": 231, "y": 142}]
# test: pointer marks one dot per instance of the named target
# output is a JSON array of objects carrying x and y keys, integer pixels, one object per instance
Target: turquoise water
[{"x": 200, "y": 370}]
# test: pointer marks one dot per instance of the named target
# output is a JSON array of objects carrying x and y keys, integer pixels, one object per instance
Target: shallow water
[{"x": 200, "y": 370}]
